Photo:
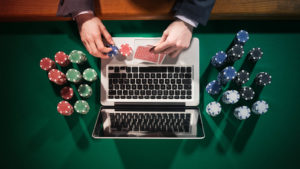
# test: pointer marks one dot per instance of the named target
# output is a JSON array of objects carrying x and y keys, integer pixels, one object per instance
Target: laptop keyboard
[
  {"x": 150, "y": 122},
  {"x": 151, "y": 82}
]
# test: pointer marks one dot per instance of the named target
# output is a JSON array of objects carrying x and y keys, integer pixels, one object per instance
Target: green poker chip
[
  {"x": 73, "y": 75},
  {"x": 82, "y": 107},
  {"x": 77, "y": 57},
  {"x": 85, "y": 90},
  {"x": 89, "y": 75}
]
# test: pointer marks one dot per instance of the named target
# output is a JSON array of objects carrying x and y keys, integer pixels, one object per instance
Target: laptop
[{"x": 150, "y": 100}]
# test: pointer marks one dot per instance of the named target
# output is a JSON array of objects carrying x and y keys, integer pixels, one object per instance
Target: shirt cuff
[
  {"x": 81, "y": 13},
  {"x": 187, "y": 20}
]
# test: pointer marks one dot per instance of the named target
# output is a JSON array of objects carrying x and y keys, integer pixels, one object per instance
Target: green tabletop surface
[{"x": 35, "y": 136}]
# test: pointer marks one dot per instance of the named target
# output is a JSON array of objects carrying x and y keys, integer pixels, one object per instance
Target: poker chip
[
  {"x": 213, "y": 108},
  {"x": 89, "y": 75},
  {"x": 77, "y": 57},
  {"x": 263, "y": 79},
  {"x": 254, "y": 54},
  {"x": 235, "y": 53},
  {"x": 82, "y": 107},
  {"x": 260, "y": 107},
  {"x": 126, "y": 50},
  {"x": 85, "y": 90},
  {"x": 114, "y": 52},
  {"x": 231, "y": 97},
  {"x": 65, "y": 108},
  {"x": 241, "y": 77},
  {"x": 74, "y": 75},
  {"x": 219, "y": 59},
  {"x": 61, "y": 58},
  {"x": 213, "y": 87},
  {"x": 57, "y": 77},
  {"x": 226, "y": 75},
  {"x": 242, "y": 113},
  {"x": 47, "y": 64},
  {"x": 66, "y": 93},
  {"x": 242, "y": 37},
  {"x": 247, "y": 93}
]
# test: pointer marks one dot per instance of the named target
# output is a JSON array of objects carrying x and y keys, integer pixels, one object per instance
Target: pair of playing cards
[{"x": 145, "y": 54}]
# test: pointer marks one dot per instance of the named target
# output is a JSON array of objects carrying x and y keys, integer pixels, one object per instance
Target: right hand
[{"x": 91, "y": 30}]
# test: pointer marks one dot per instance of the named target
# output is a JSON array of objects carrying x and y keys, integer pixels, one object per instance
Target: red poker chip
[
  {"x": 65, "y": 108},
  {"x": 47, "y": 64},
  {"x": 57, "y": 77},
  {"x": 66, "y": 93},
  {"x": 61, "y": 58},
  {"x": 125, "y": 49}
]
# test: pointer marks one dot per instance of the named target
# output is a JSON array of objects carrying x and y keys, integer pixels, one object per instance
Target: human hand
[
  {"x": 175, "y": 38},
  {"x": 91, "y": 30}
]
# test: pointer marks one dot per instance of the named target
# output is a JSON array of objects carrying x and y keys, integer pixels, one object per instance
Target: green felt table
[{"x": 34, "y": 135}]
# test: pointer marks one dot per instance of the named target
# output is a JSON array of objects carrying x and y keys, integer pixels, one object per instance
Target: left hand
[{"x": 175, "y": 38}]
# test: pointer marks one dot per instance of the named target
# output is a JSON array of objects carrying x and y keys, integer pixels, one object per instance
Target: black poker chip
[
  {"x": 242, "y": 77},
  {"x": 263, "y": 79},
  {"x": 255, "y": 54},
  {"x": 247, "y": 93},
  {"x": 235, "y": 53}
]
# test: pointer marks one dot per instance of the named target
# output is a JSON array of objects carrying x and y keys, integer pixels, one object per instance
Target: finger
[
  {"x": 170, "y": 50},
  {"x": 87, "y": 46},
  {"x": 100, "y": 46},
  {"x": 162, "y": 39},
  {"x": 106, "y": 34},
  {"x": 162, "y": 46},
  {"x": 175, "y": 54}
]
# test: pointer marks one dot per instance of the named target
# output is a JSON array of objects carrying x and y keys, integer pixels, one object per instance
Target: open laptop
[{"x": 146, "y": 100}]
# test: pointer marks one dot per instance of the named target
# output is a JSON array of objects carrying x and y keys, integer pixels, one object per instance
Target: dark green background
[{"x": 34, "y": 135}]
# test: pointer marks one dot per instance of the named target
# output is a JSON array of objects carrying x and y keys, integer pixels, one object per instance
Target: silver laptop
[{"x": 147, "y": 100}]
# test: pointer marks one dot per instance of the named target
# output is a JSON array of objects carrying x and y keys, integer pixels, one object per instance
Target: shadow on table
[{"x": 155, "y": 153}]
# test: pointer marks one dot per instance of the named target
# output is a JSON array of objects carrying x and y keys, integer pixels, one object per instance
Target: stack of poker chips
[
  {"x": 254, "y": 55},
  {"x": 247, "y": 93},
  {"x": 82, "y": 106},
  {"x": 126, "y": 50},
  {"x": 213, "y": 87},
  {"x": 260, "y": 107},
  {"x": 241, "y": 37},
  {"x": 57, "y": 77},
  {"x": 242, "y": 112},
  {"x": 61, "y": 58},
  {"x": 114, "y": 51},
  {"x": 263, "y": 79},
  {"x": 85, "y": 91},
  {"x": 77, "y": 57},
  {"x": 47, "y": 64},
  {"x": 231, "y": 97},
  {"x": 74, "y": 76},
  {"x": 89, "y": 75},
  {"x": 213, "y": 108},
  {"x": 226, "y": 75},
  {"x": 65, "y": 108},
  {"x": 241, "y": 77},
  {"x": 219, "y": 59},
  {"x": 235, "y": 53}
]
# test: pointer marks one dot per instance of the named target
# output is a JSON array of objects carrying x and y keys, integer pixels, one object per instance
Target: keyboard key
[
  {"x": 165, "y": 92},
  {"x": 182, "y": 69},
  {"x": 171, "y": 92},
  {"x": 136, "y": 92},
  {"x": 169, "y": 86},
  {"x": 152, "y": 97},
  {"x": 189, "y": 97},
  {"x": 134, "y": 69},
  {"x": 182, "y": 92},
  {"x": 110, "y": 68},
  {"x": 164, "y": 75},
  {"x": 165, "y": 97},
  {"x": 126, "y": 81},
  {"x": 114, "y": 75},
  {"x": 170, "y": 97},
  {"x": 188, "y": 69},
  {"x": 170, "y": 75},
  {"x": 150, "y": 81},
  {"x": 129, "y": 75},
  {"x": 155, "y": 81},
  {"x": 128, "y": 87},
  {"x": 111, "y": 92},
  {"x": 110, "y": 86},
  {"x": 158, "y": 97},
  {"x": 128, "y": 97},
  {"x": 148, "y": 92},
  {"x": 154, "y": 92},
  {"x": 174, "y": 87},
  {"x": 117, "y": 86},
  {"x": 128, "y": 69},
  {"x": 110, "y": 97},
  {"x": 147, "y": 75},
  {"x": 140, "y": 86},
  {"x": 163, "y": 87},
  {"x": 159, "y": 92},
  {"x": 177, "y": 92},
  {"x": 172, "y": 81},
  {"x": 189, "y": 92},
  {"x": 119, "y": 92},
  {"x": 187, "y": 87},
  {"x": 144, "y": 81},
  {"x": 142, "y": 92},
  {"x": 123, "y": 75},
  {"x": 182, "y": 97},
  {"x": 135, "y": 75},
  {"x": 187, "y": 75},
  {"x": 132, "y": 81},
  {"x": 152, "y": 75},
  {"x": 187, "y": 81},
  {"x": 134, "y": 97},
  {"x": 181, "y": 75},
  {"x": 130, "y": 92},
  {"x": 178, "y": 81},
  {"x": 133, "y": 87},
  {"x": 161, "y": 81},
  {"x": 176, "y": 97},
  {"x": 145, "y": 87},
  {"x": 180, "y": 87},
  {"x": 153, "y": 69},
  {"x": 117, "y": 69},
  {"x": 170, "y": 69},
  {"x": 138, "y": 81},
  {"x": 175, "y": 75},
  {"x": 151, "y": 87},
  {"x": 158, "y": 75},
  {"x": 177, "y": 69}
]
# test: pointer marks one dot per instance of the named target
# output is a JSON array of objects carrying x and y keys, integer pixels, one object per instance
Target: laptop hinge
[{"x": 149, "y": 107}]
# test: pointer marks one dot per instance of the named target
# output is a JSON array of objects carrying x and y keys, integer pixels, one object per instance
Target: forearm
[{"x": 70, "y": 8}]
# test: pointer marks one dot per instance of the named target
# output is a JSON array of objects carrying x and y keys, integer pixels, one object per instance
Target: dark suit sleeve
[
  {"x": 196, "y": 10},
  {"x": 69, "y": 8}
]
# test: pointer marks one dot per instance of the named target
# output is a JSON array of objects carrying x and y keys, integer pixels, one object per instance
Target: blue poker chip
[
  {"x": 242, "y": 36},
  {"x": 226, "y": 75},
  {"x": 213, "y": 87},
  {"x": 219, "y": 59},
  {"x": 114, "y": 52}
]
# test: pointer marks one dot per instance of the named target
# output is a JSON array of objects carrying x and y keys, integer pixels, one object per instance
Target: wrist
[{"x": 190, "y": 27}]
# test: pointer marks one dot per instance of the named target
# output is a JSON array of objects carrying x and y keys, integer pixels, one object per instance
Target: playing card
[{"x": 143, "y": 53}]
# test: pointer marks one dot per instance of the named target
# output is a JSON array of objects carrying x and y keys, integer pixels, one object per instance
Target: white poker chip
[
  {"x": 260, "y": 107},
  {"x": 213, "y": 108},
  {"x": 231, "y": 97},
  {"x": 242, "y": 112}
]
